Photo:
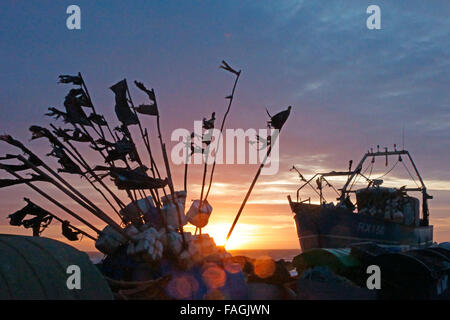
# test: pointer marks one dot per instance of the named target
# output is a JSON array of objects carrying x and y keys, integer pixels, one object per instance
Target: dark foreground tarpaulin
[{"x": 39, "y": 268}]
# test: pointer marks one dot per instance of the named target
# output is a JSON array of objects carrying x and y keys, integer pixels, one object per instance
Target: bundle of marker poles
[
  {"x": 74, "y": 194},
  {"x": 61, "y": 184}
]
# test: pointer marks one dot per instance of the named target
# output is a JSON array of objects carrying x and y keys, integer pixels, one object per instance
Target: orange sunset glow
[{"x": 350, "y": 89}]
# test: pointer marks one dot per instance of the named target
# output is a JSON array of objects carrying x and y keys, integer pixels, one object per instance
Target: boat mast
[{"x": 425, "y": 195}]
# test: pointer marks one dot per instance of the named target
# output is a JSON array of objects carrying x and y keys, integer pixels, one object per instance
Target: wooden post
[
  {"x": 249, "y": 192},
  {"x": 221, "y": 129},
  {"x": 174, "y": 198},
  {"x": 83, "y": 85}
]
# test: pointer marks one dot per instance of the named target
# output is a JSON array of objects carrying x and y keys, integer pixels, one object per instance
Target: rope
[
  {"x": 359, "y": 175},
  {"x": 370, "y": 173},
  {"x": 388, "y": 171},
  {"x": 407, "y": 170}
]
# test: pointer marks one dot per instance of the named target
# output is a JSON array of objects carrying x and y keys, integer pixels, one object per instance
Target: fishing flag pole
[
  {"x": 261, "y": 166},
  {"x": 46, "y": 196},
  {"x": 226, "y": 67},
  {"x": 61, "y": 220}
]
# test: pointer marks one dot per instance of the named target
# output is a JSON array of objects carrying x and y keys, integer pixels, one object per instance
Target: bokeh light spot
[
  {"x": 213, "y": 276},
  {"x": 182, "y": 287},
  {"x": 264, "y": 267}
]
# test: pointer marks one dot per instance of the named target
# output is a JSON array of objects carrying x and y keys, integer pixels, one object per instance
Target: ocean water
[{"x": 276, "y": 254}]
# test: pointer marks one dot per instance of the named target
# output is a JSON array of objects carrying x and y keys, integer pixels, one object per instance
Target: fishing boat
[{"x": 383, "y": 215}]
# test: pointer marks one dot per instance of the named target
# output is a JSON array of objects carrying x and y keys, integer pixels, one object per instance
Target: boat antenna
[{"x": 403, "y": 136}]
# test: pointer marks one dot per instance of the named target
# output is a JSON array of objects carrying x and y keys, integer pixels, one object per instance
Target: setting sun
[{"x": 243, "y": 236}]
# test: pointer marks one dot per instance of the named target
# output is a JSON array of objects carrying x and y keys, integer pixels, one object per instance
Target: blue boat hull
[{"x": 320, "y": 227}]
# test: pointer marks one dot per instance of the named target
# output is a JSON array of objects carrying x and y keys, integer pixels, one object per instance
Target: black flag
[
  {"x": 148, "y": 109},
  {"x": 150, "y": 93},
  {"x": 123, "y": 111},
  {"x": 120, "y": 149},
  {"x": 42, "y": 218},
  {"x": 98, "y": 119},
  {"x": 227, "y": 67},
  {"x": 76, "y": 80},
  {"x": 277, "y": 121},
  {"x": 75, "y": 113},
  {"x": 53, "y": 112},
  {"x": 77, "y": 135},
  {"x": 38, "y": 224},
  {"x": 20, "y": 167},
  {"x": 69, "y": 232},
  {"x": 132, "y": 179},
  {"x": 66, "y": 163}
]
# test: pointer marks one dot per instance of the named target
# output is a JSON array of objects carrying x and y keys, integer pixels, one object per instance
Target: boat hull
[{"x": 320, "y": 227}]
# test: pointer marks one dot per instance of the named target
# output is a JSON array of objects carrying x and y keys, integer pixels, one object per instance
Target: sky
[{"x": 350, "y": 89}]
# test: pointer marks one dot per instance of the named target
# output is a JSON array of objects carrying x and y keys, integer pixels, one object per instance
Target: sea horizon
[{"x": 276, "y": 254}]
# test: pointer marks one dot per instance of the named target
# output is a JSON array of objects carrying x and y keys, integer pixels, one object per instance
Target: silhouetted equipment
[
  {"x": 123, "y": 111},
  {"x": 278, "y": 120}
]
